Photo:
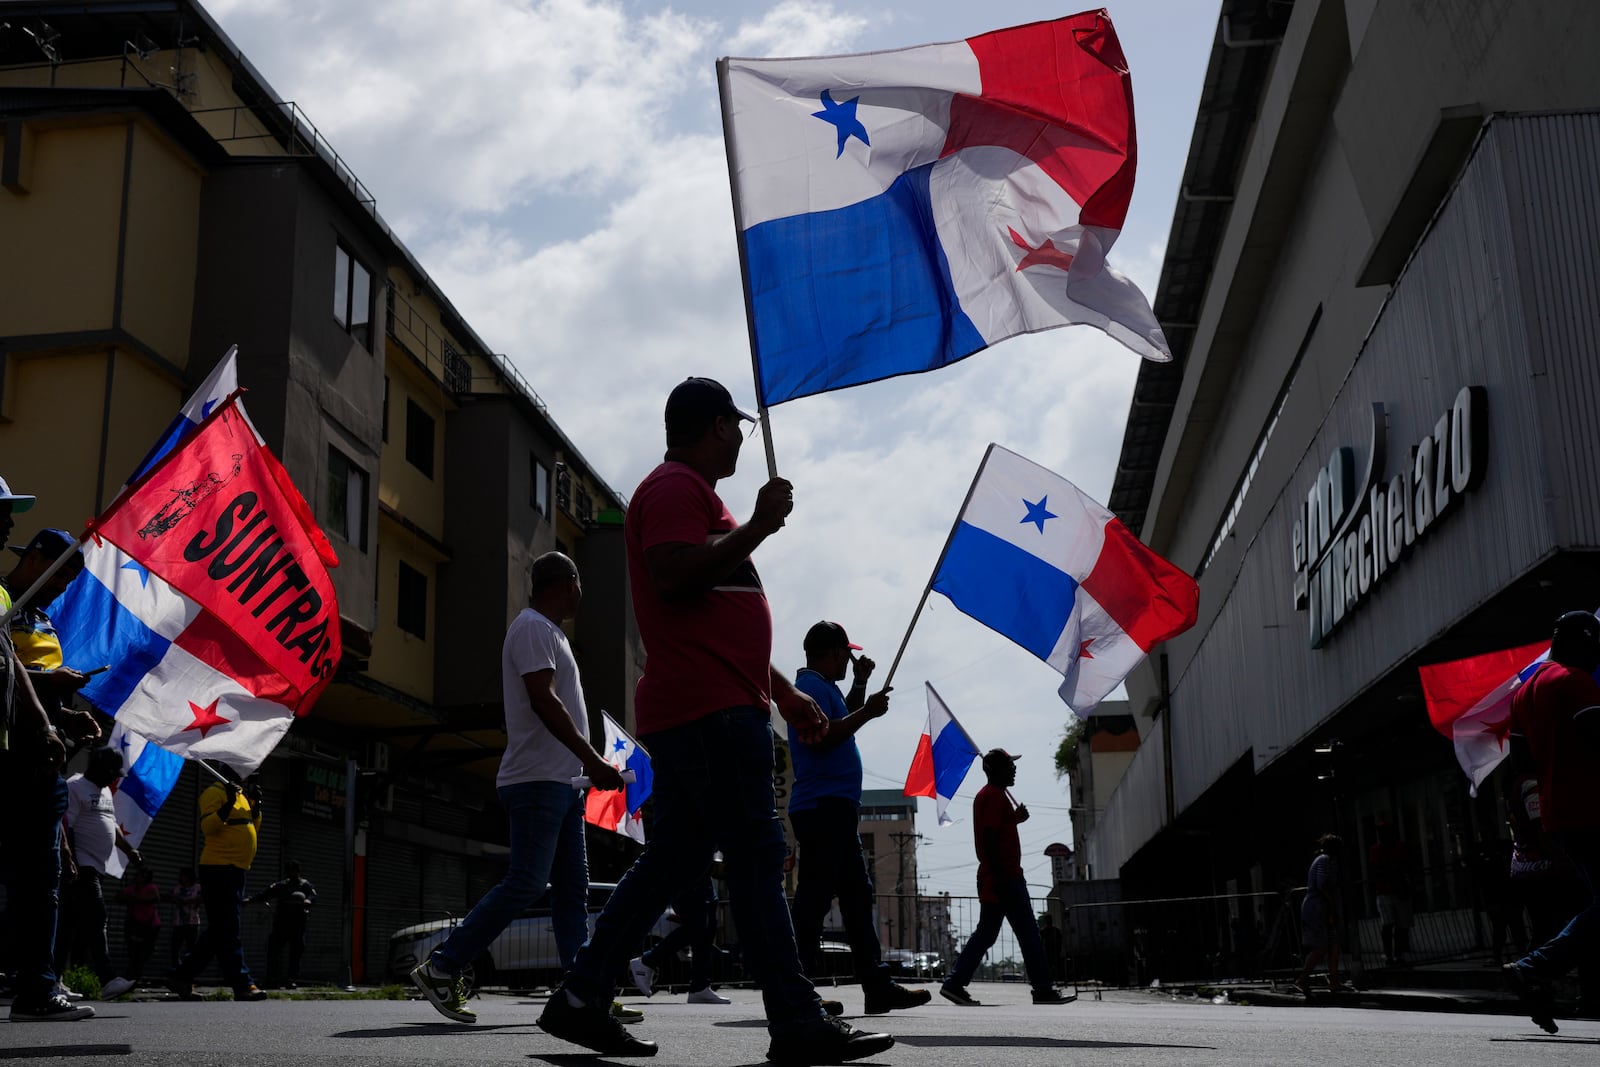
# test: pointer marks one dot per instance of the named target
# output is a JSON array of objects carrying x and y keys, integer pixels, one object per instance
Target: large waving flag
[
  {"x": 618, "y": 809},
  {"x": 899, "y": 211},
  {"x": 1036, "y": 560},
  {"x": 150, "y": 771},
  {"x": 211, "y": 588},
  {"x": 1469, "y": 702},
  {"x": 944, "y": 754}
]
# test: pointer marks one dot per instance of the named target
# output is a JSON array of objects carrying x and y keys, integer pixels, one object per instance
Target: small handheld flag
[
  {"x": 943, "y": 757},
  {"x": 617, "y": 810}
]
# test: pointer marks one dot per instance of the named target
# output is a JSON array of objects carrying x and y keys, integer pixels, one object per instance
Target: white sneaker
[
  {"x": 116, "y": 988},
  {"x": 644, "y": 976},
  {"x": 63, "y": 991},
  {"x": 708, "y": 996}
]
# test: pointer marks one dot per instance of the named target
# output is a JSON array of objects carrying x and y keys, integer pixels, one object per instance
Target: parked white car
[{"x": 525, "y": 952}]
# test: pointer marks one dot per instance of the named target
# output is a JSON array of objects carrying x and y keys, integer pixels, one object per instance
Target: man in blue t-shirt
[{"x": 824, "y": 808}]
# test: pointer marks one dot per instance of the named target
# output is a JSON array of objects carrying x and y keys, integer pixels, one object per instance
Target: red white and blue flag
[
  {"x": 148, "y": 774},
  {"x": 617, "y": 810},
  {"x": 1039, "y": 562},
  {"x": 1469, "y": 702},
  {"x": 901, "y": 210},
  {"x": 208, "y": 578},
  {"x": 943, "y": 757}
]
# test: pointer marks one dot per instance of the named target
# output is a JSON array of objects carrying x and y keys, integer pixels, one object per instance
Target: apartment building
[{"x": 160, "y": 202}]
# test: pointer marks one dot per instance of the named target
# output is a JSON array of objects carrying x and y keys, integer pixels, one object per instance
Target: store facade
[{"x": 1378, "y": 452}]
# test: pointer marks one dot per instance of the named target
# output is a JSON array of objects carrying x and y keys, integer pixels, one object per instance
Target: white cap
[{"x": 18, "y": 502}]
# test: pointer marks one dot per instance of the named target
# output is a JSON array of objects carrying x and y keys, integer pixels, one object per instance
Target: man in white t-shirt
[
  {"x": 96, "y": 840},
  {"x": 547, "y": 746}
]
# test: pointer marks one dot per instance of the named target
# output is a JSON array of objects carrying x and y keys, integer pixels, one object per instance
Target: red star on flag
[
  {"x": 1500, "y": 731},
  {"x": 1083, "y": 650},
  {"x": 1046, "y": 255},
  {"x": 205, "y": 718}
]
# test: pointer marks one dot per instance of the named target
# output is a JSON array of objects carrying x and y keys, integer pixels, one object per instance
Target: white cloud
[{"x": 796, "y": 28}]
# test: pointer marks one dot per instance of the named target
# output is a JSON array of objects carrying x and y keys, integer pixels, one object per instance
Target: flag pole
[
  {"x": 726, "y": 96},
  {"x": 915, "y": 615}
]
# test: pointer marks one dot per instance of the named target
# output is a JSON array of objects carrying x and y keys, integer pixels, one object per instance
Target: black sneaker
[
  {"x": 249, "y": 992},
  {"x": 1533, "y": 994},
  {"x": 54, "y": 1009},
  {"x": 826, "y": 1040},
  {"x": 957, "y": 994},
  {"x": 894, "y": 995},
  {"x": 593, "y": 1027},
  {"x": 183, "y": 988},
  {"x": 1053, "y": 996}
]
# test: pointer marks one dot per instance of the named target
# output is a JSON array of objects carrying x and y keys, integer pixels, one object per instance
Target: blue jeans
[
  {"x": 33, "y": 800},
  {"x": 1016, "y": 908},
  {"x": 1576, "y": 942},
  {"x": 547, "y": 848},
  {"x": 222, "y": 889},
  {"x": 713, "y": 789},
  {"x": 831, "y": 864}
]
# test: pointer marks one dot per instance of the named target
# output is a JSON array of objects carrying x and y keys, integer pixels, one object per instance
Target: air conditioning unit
[{"x": 378, "y": 757}]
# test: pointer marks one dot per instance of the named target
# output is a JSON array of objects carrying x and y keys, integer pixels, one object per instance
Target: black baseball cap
[
  {"x": 996, "y": 758},
  {"x": 826, "y": 635},
  {"x": 699, "y": 399},
  {"x": 50, "y": 542},
  {"x": 1578, "y": 624}
]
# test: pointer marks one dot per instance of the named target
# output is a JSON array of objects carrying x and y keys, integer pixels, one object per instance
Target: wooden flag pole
[
  {"x": 744, "y": 262},
  {"x": 929, "y": 587}
]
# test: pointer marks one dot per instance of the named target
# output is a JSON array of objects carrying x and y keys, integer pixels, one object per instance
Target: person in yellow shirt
[{"x": 230, "y": 819}]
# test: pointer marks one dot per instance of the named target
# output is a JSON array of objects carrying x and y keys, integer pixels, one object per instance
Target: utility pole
[{"x": 901, "y": 839}]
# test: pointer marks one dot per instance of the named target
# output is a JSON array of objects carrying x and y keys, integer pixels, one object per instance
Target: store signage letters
[{"x": 1349, "y": 536}]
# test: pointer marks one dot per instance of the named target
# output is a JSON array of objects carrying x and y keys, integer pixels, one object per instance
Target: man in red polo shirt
[
  {"x": 703, "y": 712},
  {"x": 1002, "y": 888},
  {"x": 1557, "y": 712}
]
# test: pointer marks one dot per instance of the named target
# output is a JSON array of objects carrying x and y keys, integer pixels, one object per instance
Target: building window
[
  {"x": 585, "y": 510},
  {"x": 563, "y": 488},
  {"x": 352, "y": 295},
  {"x": 419, "y": 438},
  {"x": 540, "y": 497},
  {"x": 412, "y": 608},
  {"x": 347, "y": 499},
  {"x": 385, "y": 408}
]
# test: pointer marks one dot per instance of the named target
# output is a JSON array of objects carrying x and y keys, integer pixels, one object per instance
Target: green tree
[{"x": 1067, "y": 751}]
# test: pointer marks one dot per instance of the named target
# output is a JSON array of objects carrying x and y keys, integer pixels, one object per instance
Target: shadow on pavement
[
  {"x": 1548, "y": 1039},
  {"x": 1012, "y": 1041},
  {"x": 61, "y": 1052},
  {"x": 416, "y": 1029}
]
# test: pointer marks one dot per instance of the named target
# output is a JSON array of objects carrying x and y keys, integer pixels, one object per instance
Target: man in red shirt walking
[
  {"x": 1557, "y": 712},
  {"x": 1002, "y": 888},
  {"x": 703, "y": 712}
]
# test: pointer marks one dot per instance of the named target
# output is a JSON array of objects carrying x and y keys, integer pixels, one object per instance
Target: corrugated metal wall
[
  {"x": 1551, "y": 170},
  {"x": 1501, "y": 293}
]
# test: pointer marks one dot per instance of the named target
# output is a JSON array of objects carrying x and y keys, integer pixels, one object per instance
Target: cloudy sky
[{"x": 557, "y": 166}]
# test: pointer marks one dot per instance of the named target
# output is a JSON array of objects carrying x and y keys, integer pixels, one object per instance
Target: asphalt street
[{"x": 1123, "y": 1030}]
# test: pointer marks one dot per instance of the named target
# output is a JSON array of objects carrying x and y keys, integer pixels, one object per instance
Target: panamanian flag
[
  {"x": 944, "y": 755},
  {"x": 617, "y": 810},
  {"x": 1038, "y": 561},
  {"x": 149, "y": 771},
  {"x": 1469, "y": 702},
  {"x": 901, "y": 210},
  {"x": 208, "y": 580}
]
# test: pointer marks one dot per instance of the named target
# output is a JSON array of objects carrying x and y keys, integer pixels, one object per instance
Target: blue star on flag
[
  {"x": 142, "y": 571},
  {"x": 619, "y": 745},
  {"x": 843, "y": 116},
  {"x": 1037, "y": 514}
]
